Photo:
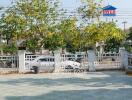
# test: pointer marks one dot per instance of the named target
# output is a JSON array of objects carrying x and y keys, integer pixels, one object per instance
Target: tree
[
  {"x": 53, "y": 41},
  {"x": 11, "y": 26},
  {"x": 30, "y": 20},
  {"x": 37, "y": 24},
  {"x": 101, "y": 32},
  {"x": 71, "y": 34},
  {"x": 91, "y": 10},
  {"x": 130, "y": 34},
  {"x": 128, "y": 42},
  {"x": 112, "y": 45}
]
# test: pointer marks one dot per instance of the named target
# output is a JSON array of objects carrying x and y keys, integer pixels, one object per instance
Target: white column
[
  {"x": 21, "y": 55},
  {"x": 91, "y": 60},
  {"x": 124, "y": 57},
  {"x": 57, "y": 60}
]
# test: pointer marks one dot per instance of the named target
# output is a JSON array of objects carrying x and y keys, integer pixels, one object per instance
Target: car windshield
[
  {"x": 43, "y": 59},
  {"x": 46, "y": 60}
]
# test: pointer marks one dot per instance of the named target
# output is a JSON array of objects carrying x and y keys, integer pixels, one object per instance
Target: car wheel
[
  {"x": 68, "y": 68},
  {"x": 35, "y": 69}
]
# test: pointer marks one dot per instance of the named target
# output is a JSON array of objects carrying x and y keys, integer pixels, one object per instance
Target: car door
[
  {"x": 43, "y": 63},
  {"x": 52, "y": 63}
]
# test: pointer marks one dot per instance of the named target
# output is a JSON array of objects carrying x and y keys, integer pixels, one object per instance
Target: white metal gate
[
  {"x": 108, "y": 61},
  {"x": 9, "y": 64},
  {"x": 81, "y": 58}
]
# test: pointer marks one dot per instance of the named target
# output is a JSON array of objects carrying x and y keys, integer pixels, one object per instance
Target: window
[
  {"x": 43, "y": 60},
  {"x": 46, "y": 60},
  {"x": 51, "y": 59}
]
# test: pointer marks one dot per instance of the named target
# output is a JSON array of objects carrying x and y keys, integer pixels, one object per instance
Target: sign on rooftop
[{"x": 109, "y": 11}]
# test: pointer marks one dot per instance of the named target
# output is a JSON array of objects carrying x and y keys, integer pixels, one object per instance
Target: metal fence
[
  {"x": 28, "y": 60},
  {"x": 30, "y": 57},
  {"x": 9, "y": 64},
  {"x": 108, "y": 61},
  {"x": 81, "y": 58},
  {"x": 103, "y": 61}
]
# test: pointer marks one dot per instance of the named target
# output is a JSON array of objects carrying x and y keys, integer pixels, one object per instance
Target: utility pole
[{"x": 124, "y": 23}]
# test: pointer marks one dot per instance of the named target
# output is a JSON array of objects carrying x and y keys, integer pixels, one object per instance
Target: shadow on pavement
[{"x": 100, "y": 94}]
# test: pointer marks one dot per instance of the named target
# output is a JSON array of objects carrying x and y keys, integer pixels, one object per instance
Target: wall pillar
[
  {"x": 91, "y": 60},
  {"x": 21, "y": 55},
  {"x": 124, "y": 58},
  {"x": 57, "y": 60}
]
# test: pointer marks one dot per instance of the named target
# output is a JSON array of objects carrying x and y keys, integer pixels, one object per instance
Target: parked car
[{"x": 47, "y": 64}]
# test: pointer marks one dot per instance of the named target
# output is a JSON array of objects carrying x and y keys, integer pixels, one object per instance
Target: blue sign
[{"x": 109, "y": 11}]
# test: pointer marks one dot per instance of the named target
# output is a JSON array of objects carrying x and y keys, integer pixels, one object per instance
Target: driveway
[{"x": 63, "y": 86}]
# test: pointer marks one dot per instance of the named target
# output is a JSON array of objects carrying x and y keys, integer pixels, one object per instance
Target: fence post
[
  {"x": 57, "y": 60},
  {"x": 124, "y": 58},
  {"x": 21, "y": 56},
  {"x": 91, "y": 60}
]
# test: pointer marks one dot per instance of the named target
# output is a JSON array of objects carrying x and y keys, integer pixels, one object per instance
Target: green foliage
[
  {"x": 29, "y": 20},
  {"x": 112, "y": 45},
  {"x": 128, "y": 47},
  {"x": 36, "y": 23},
  {"x": 71, "y": 34},
  {"x": 101, "y": 32},
  {"x": 128, "y": 43},
  {"x": 32, "y": 44},
  {"x": 12, "y": 49},
  {"x": 130, "y": 34},
  {"x": 53, "y": 41},
  {"x": 92, "y": 10},
  {"x": 10, "y": 26}
]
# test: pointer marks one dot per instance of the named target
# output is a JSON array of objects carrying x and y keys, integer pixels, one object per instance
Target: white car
[{"x": 47, "y": 64}]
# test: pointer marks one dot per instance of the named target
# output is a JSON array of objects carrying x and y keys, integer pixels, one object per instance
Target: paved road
[{"x": 85, "y": 86}]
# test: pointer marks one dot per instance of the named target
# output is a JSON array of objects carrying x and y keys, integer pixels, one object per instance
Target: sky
[{"x": 124, "y": 9}]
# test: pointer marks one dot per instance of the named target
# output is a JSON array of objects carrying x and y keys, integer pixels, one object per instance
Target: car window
[
  {"x": 43, "y": 60},
  {"x": 51, "y": 59},
  {"x": 46, "y": 60}
]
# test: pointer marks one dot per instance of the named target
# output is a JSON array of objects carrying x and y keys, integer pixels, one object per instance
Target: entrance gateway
[{"x": 106, "y": 61}]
